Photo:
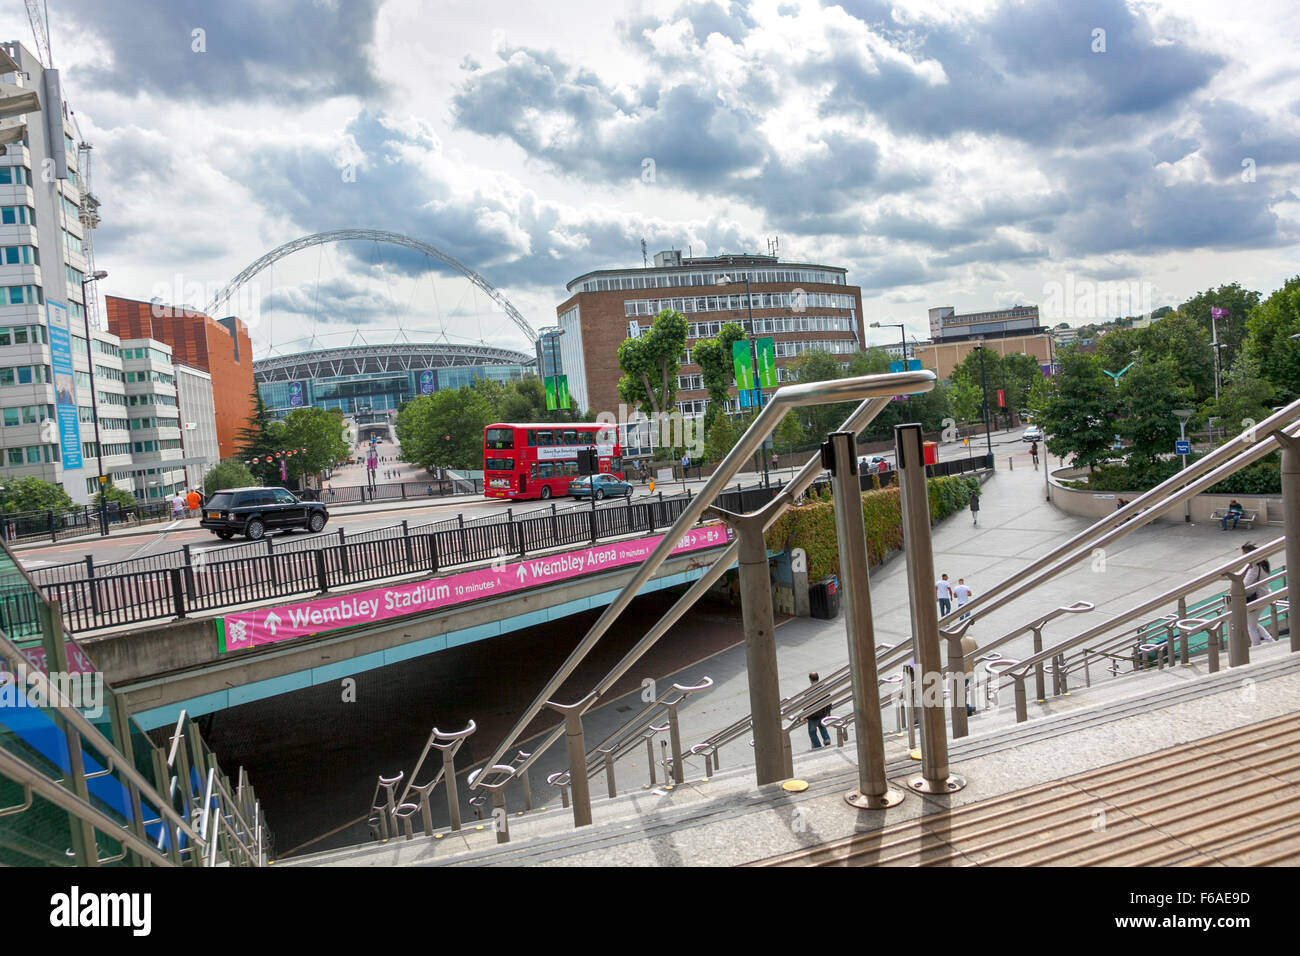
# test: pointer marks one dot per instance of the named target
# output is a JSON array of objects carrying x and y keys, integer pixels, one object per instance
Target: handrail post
[
  {"x": 873, "y": 791},
  {"x": 577, "y": 754},
  {"x": 322, "y": 579},
  {"x": 1022, "y": 706},
  {"x": 406, "y": 540},
  {"x": 1291, "y": 521},
  {"x": 609, "y": 775},
  {"x": 957, "y": 667},
  {"x": 650, "y": 755},
  {"x": 675, "y": 736},
  {"x": 178, "y": 592},
  {"x": 910, "y": 455},
  {"x": 1040, "y": 689},
  {"x": 1238, "y": 638},
  {"x": 770, "y": 758}
]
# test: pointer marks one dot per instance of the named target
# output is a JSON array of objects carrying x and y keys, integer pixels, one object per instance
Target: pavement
[{"x": 1016, "y": 525}]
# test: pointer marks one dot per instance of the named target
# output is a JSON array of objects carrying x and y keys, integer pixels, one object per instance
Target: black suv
[{"x": 255, "y": 511}]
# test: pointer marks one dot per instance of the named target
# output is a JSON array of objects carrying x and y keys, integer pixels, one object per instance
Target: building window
[
  {"x": 17, "y": 216},
  {"x": 15, "y": 176}
]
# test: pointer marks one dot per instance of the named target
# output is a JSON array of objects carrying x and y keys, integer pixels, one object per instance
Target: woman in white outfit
[{"x": 1256, "y": 571}]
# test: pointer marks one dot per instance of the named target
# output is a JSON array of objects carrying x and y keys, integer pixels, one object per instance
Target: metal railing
[
  {"x": 186, "y": 581},
  {"x": 873, "y": 391}
]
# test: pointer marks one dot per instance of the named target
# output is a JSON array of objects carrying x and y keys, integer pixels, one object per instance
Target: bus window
[
  {"x": 534, "y": 470},
  {"x": 570, "y": 467},
  {"x": 544, "y": 439},
  {"x": 499, "y": 464},
  {"x": 570, "y": 437},
  {"x": 499, "y": 438},
  {"x": 532, "y": 438},
  {"x": 545, "y": 470}
]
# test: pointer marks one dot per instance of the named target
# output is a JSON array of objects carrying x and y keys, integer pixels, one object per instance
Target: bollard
[
  {"x": 1040, "y": 692},
  {"x": 609, "y": 775}
]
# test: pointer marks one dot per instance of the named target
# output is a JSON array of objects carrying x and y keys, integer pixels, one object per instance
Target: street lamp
[
  {"x": 984, "y": 389},
  {"x": 902, "y": 331},
  {"x": 94, "y": 402},
  {"x": 753, "y": 355}
]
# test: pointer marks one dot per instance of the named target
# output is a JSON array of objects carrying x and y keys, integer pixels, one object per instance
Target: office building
[
  {"x": 198, "y": 420},
  {"x": 220, "y": 347},
  {"x": 801, "y": 306}
]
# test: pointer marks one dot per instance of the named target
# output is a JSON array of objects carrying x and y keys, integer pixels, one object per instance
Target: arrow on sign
[
  {"x": 271, "y": 621},
  {"x": 521, "y": 574}
]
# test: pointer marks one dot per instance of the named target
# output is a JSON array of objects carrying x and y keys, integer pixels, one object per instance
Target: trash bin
[{"x": 824, "y": 599}]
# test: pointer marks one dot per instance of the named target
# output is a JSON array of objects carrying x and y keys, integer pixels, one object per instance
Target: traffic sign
[{"x": 1182, "y": 447}]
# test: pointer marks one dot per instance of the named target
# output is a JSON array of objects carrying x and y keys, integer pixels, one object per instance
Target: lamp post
[
  {"x": 902, "y": 331},
  {"x": 984, "y": 390},
  {"x": 94, "y": 402},
  {"x": 753, "y": 355},
  {"x": 1183, "y": 414}
]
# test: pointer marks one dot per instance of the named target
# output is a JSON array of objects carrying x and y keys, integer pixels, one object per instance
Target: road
[{"x": 174, "y": 535}]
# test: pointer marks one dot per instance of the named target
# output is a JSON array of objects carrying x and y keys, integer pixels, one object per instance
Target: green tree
[
  {"x": 873, "y": 361},
  {"x": 320, "y": 432},
  {"x": 1148, "y": 395},
  {"x": 1239, "y": 302},
  {"x": 720, "y": 437},
  {"x": 1185, "y": 343},
  {"x": 1079, "y": 411},
  {"x": 1269, "y": 345},
  {"x": 33, "y": 494},
  {"x": 1244, "y": 398},
  {"x": 445, "y": 429},
  {"x": 110, "y": 492},
  {"x": 966, "y": 400},
  {"x": 818, "y": 365},
  {"x": 261, "y": 437},
  {"x": 651, "y": 364},
  {"x": 227, "y": 474},
  {"x": 713, "y": 356}
]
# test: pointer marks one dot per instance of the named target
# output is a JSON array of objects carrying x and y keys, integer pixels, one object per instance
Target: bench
[{"x": 1246, "y": 518}]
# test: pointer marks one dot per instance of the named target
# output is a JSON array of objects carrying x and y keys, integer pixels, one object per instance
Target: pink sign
[
  {"x": 272, "y": 625},
  {"x": 78, "y": 662}
]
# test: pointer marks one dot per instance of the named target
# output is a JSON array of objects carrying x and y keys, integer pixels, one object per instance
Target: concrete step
[{"x": 548, "y": 835}]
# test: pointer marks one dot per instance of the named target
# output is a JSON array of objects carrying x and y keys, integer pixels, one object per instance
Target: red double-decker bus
[{"x": 540, "y": 460}]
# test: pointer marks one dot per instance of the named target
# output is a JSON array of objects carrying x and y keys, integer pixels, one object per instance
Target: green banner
[
  {"x": 562, "y": 391},
  {"x": 550, "y": 393},
  {"x": 766, "y": 349},
  {"x": 744, "y": 364}
]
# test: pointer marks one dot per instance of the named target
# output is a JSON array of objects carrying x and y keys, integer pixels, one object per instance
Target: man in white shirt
[
  {"x": 943, "y": 591},
  {"x": 962, "y": 594}
]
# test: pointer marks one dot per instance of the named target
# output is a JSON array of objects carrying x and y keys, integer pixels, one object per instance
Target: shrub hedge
[
  {"x": 1261, "y": 478},
  {"x": 812, "y": 526}
]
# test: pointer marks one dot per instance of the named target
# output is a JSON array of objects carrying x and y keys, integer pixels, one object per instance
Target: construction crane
[{"x": 41, "y": 31}]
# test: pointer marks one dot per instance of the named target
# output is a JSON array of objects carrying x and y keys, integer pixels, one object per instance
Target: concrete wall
[{"x": 1089, "y": 504}]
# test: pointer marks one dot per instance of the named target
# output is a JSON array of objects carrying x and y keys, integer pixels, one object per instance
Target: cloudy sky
[{"x": 973, "y": 154}]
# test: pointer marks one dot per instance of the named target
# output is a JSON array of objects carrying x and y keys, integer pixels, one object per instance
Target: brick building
[
  {"x": 220, "y": 347},
  {"x": 801, "y": 306}
]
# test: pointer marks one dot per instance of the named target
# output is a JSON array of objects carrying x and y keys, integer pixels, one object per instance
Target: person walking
[
  {"x": 775, "y": 460},
  {"x": 178, "y": 507},
  {"x": 1256, "y": 571},
  {"x": 943, "y": 591},
  {"x": 975, "y": 507},
  {"x": 815, "y": 720},
  {"x": 962, "y": 593},
  {"x": 1033, "y": 453},
  {"x": 193, "y": 501}
]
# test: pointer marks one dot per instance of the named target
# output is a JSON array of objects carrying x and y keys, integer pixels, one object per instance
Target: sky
[{"x": 972, "y": 154}]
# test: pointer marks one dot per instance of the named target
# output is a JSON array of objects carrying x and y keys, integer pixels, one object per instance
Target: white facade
[
  {"x": 154, "y": 419},
  {"x": 198, "y": 423}
]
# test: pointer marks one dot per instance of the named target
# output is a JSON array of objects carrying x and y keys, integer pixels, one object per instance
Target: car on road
[
  {"x": 253, "y": 512},
  {"x": 600, "y": 487},
  {"x": 1032, "y": 433}
]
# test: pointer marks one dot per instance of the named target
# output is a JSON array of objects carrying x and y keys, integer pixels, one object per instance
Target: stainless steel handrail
[
  {"x": 863, "y": 388},
  {"x": 1203, "y": 473},
  {"x": 1145, "y": 607}
]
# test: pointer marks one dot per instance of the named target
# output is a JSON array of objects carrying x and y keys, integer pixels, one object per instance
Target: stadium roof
[{"x": 381, "y": 359}]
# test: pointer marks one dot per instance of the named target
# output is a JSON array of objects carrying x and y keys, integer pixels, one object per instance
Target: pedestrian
[
  {"x": 193, "y": 501},
  {"x": 962, "y": 593},
  {"x": 774, "y": 460},
  {"x": 178, "y": 507},
  {"x": 1235, "y": 511},
  {"x": 943, "y": 591},
  {"x": 429, "y": 491},
  {"x": 686, "y": 465},
  {"x": 975, "y": 507},
  {"x": 815, "y": 720},
  {"x": 1256, "y": 571},
  {"x": 882, "y": 467}
]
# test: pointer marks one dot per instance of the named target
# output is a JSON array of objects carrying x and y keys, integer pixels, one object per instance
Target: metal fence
[
  {"x": 177, "y": 584},
  {"x": 54, "y": 524}
]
